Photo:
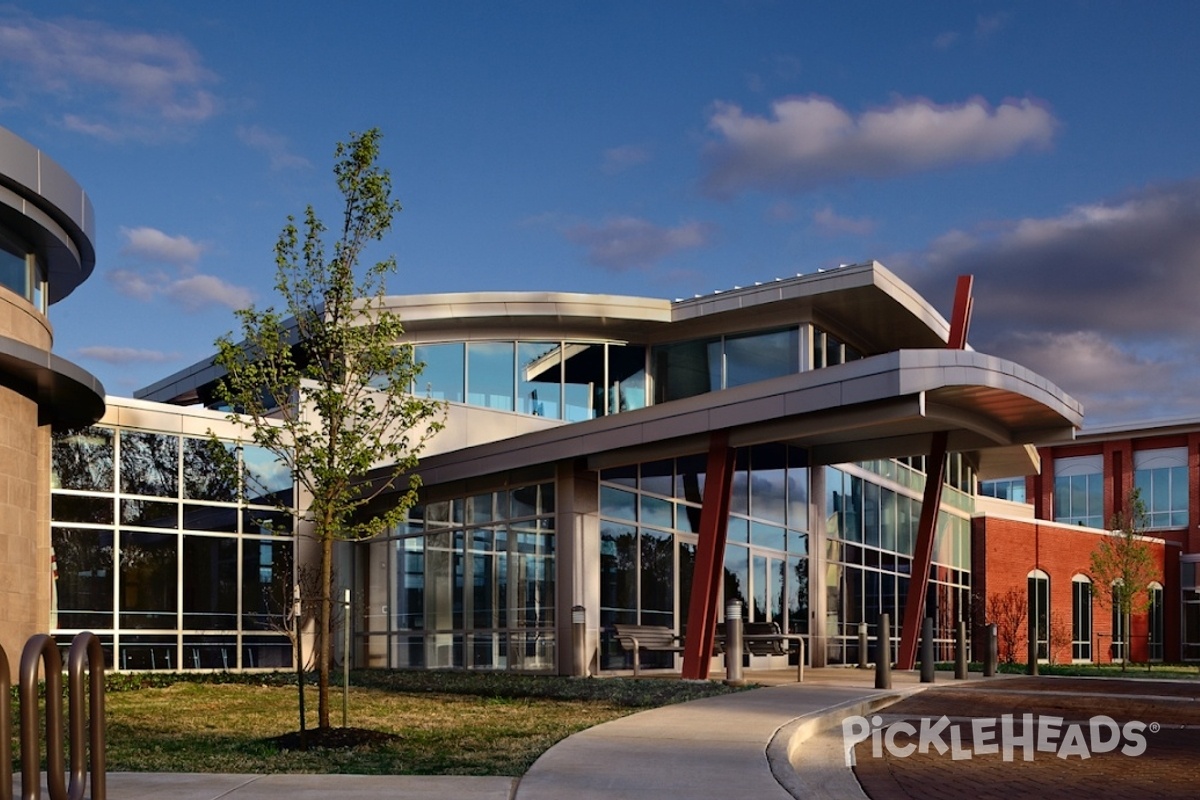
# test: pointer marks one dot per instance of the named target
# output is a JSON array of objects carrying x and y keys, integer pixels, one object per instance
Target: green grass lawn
[{"x": 441, "y": 723}]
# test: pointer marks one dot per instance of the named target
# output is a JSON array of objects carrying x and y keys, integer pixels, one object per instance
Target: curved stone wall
[{"x": 41, "y": 205}]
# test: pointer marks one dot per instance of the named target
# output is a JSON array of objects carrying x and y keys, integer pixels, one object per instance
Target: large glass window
[
  {"x": 1161, "y": 477},
  {"x": 21, "y": 272},
  {"x": 464, "y": 583},
  {"x": 1081, "y": 618},
  {"x": 1011, "y": 489},
  {"x": 490, "y": 375},
  {"x": 1039, "y": 611},
  {"x": 1079, "y": 491},
  {"x": 1120, "y": 632},
  {"x": 539, "y": 367},
  {"x": 1156, "y": 620},
  {"x": 152, "y": 549},
  {"x": 758, "y": 356},
  {"x": 443, "y": 376}
]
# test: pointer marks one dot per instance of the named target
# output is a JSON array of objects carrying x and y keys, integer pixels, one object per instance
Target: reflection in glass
[
  {"x": 208, "y": 470},
  {"x": 684, "y": 369},
  {"x": 83, "y": 579},
  {"x": 490, "y": 375},
  {"x": 539, "y": 371},
  {"x": 760, "y": 356},
  {"x": 443, "y": 377},
  {"x": 583, "y": 383},
  {"x": 149, "y": 513},
  {"x": 266, "y": 581},
  {"x": 266, "y": 476},
  {"x": 83, "y": 460},
  {"x": 209, "y": 583},
  {"x": 149, "y": 580},
  {"x": 657, "y": 572},
  {"x": 149, "y": 464},
  {"x": 81, "y": 508},
  {"x": 626, "y": 378}
]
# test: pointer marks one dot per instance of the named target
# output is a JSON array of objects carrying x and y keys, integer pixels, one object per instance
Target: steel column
[
  {"x": 710, "y": 559},
  {"x": 935, "y": 466}
]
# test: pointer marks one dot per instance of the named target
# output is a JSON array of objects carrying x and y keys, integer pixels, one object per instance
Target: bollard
[
  {"x": 862, "y": 645},
  {"x": 579, "y": 641},
  {"x": 733, "y": 644},
  {"x": 927, "y": 666},
  {"x": 883, "y": 653},
  {"x": 991, "y": 651},
  {"x": 960, "y": 651}
]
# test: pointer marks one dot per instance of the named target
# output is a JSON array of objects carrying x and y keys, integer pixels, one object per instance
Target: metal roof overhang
[
  {"x": 66, "y": 394},
  {"x": 884, "y": 406}
]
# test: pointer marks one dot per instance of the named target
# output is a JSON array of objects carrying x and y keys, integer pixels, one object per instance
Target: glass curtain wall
[
  {"x": 649, "y": 525},
  {"x": 464, "y": 583},
  {"x": 571, "y": 381},
  {"x": 172, "y": 558},
  {"x": 871, "y": 530}
]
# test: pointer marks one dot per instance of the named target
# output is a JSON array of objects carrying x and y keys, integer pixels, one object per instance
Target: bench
[
  {"x": 766, "y": 639},
  {"x": 651, "y": 638}
]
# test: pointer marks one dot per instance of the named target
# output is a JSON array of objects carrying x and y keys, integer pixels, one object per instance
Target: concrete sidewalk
[{"x": 738, "y": 745}]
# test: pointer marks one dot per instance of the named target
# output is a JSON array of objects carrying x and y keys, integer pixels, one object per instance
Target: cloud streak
[
  {"x": 109, "y": 83},
  {"x": 808, "y": 142},
  {"x": 151, "y": 244},
  {"x": 274, "y": 145},
  {"x": 126, "y": 355},
  {"x": 623, "y": 243}
]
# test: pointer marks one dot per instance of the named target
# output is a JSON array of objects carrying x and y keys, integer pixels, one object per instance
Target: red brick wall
[{"x": 1004, "y": 551}]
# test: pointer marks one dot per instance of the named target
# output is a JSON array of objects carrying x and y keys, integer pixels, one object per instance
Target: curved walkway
[{"x": 736, "y": 745}]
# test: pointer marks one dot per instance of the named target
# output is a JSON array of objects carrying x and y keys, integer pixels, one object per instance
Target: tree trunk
[{"x": 323, "y": 632}]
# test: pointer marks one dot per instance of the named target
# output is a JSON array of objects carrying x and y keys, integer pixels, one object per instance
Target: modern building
[
  {"x": 46, "y": 251},
  {"x": 571, "y": 472},
  {"x": 589, "y": 442}
]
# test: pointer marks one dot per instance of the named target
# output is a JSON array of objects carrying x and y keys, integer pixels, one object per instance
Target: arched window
[
  {"x": 1156, "y": 621},
  {"x": 1039, "y": 611},
  {"x": 1081, "y": 618},
  {"x": 1119, "y": 630}
]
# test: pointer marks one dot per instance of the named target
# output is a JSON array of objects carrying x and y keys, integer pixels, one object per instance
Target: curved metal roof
[
  {"x": 40, "y": 201},
  {"x": 883, "y": 406}
]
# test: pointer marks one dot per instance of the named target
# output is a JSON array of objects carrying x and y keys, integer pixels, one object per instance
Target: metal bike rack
[{"x": 85, "y": 654}]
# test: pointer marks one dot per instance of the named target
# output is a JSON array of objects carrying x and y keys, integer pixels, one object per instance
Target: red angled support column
[
  {"x": 935, "y": 466},
  {"x": 710, "y": 559}
]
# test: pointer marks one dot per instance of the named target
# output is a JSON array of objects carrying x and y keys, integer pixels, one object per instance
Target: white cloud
[
  {"x": 192, "y": 292},
  {"x": 197, "y": 292},
  {"x": 126, "y": 355},
  {"x": 274, "y": 145},
  {"x": 833, "y": 224},
  {"x": 811, "y": 141},
  {"x": 110, "y": 83},
  {"x": 1100, "y": 299},
  {"x": 619, "y": 159},
  {"x": 623, "y": 243},
  {"x": 151, "y": 244},
  {"x": 136, "y": 285}
]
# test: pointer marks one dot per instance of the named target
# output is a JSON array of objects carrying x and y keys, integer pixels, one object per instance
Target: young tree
[
  {"x": 1009, "y": 610},
  {"x": 1124, "y": 561},
  {"x": 324, "y": 384}
]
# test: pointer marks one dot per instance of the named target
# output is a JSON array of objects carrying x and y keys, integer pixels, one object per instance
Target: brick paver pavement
[{"x": 1168, "y": 768}]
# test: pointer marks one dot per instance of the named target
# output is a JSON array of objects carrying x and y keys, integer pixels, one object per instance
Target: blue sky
[{"x": 662, "y": 149}]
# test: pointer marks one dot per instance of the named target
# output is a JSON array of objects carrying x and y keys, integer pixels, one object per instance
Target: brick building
[{"x": 1036, "y": 535}]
